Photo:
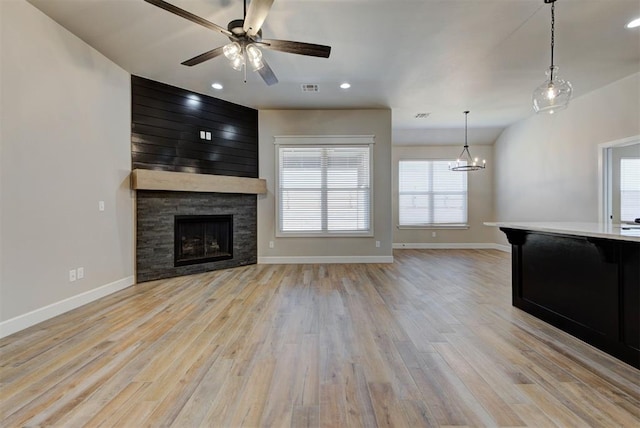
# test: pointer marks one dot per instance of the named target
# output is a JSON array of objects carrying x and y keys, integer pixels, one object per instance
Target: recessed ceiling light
[
  {"x": 345, "y": 85},
  {"x": 633, "y": 24},
  {"x": 216, "y": 85}
]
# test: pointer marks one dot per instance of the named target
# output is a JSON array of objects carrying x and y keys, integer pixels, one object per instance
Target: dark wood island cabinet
[{"x": 583, "y": 278}]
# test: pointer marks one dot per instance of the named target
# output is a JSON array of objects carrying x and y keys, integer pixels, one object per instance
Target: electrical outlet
[
  {"x": 101, "y": 205},
  {"x": 271, "y": 244},
  {"x": 377, "y": 244},
  {"x": 433, "y": 234},
  {"x": 80, "y": 272},
  {"x": 72, "y": 275}
]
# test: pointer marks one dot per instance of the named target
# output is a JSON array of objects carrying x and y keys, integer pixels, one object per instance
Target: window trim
[
  {"x": 428, "y": 226},
  {"x": 323, "y": 141},
  {"x": 622, "y": 159}
]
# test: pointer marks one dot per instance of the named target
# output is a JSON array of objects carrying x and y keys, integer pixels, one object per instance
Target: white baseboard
[
  {"x": 323, "y": 260},
  {"x": 452, "y": 246},
  {"x": 500, "y": 247},
  {"x": 21, "y": 322}
]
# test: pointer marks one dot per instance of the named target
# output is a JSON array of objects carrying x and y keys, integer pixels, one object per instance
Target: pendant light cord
[
  {"x": 553, "y": 31},
  {"x": 466, "y": 116}
]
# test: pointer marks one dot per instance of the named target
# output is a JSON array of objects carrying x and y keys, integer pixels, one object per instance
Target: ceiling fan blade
[
  {"x": 299, "y": 48},
  {"x": 256, "y": 14},
  {"x": 190, "y": 16},
  {"x": 204, "y": 57},
  {"x": 267, "y": 74}
]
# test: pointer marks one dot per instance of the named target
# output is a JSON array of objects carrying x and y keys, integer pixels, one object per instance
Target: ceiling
[{"x": 432, "y": 56}]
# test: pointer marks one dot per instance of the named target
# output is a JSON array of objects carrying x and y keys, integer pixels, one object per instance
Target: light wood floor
[{"x": 430, "y": 340}]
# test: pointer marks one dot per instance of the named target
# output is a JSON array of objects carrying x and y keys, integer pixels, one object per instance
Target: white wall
[
  {"x": 326, "y": 122},
  {"x": 480, "y": 199},
  {"x": 547, "y": 165},
  {"x": 65, "y": 144}
]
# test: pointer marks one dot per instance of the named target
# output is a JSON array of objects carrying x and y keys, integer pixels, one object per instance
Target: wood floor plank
[
  {"x": 552, "y": 408},
  {"x": 279, "y": 411},
  {"x": 253, "y": 400},
  {"x": 332, "y": 410},
  {"x": 484, "y": 393},
  {"x": 194, "y": 412},
  {"x": 429, "y": 340},
  {"x": 305, "y": 417},
  {"x": 307, "y": 383}
]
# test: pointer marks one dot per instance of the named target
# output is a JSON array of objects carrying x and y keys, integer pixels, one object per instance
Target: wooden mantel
[{"x": 146, "y": 179}]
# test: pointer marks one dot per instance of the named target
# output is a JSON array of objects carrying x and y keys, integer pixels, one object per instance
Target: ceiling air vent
[
  {"x": 422, "y": 115},
  {"x": 310, "y": 87}
]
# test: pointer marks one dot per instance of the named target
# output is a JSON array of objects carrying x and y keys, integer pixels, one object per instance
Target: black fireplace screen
[{"x": 203, "y": 238}]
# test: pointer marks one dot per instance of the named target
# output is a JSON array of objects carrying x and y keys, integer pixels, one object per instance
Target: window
[
  {"x": 430, "y": 194},
  {"x": 324, "y": 189},
  {"x": 629, "y": 189}
]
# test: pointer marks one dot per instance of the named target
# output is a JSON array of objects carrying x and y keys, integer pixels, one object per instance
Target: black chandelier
[{"x": 465, "y": 161}]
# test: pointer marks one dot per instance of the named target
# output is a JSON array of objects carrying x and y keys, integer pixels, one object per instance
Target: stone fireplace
[{"x": 182, "y": 230}]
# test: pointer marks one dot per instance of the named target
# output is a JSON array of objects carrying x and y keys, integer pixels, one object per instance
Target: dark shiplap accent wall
[{"x": 165, "y": 132}]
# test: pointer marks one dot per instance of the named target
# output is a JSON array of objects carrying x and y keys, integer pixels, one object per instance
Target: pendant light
[
  {"x": 555, "y": 93},
  {"x": 465, "y": 161}
]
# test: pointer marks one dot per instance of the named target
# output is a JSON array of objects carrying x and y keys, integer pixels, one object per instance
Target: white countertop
[{"x": 618, "y": 232}]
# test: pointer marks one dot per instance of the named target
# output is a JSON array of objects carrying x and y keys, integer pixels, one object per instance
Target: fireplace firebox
[{"x": 202, "y": 238}]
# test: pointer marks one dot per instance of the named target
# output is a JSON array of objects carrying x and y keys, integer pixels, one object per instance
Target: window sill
[
  {"x": 436, "y": 226},
  {"x": 323, "y": 235}
]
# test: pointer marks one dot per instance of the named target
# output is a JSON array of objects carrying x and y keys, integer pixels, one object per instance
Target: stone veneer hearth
[{"x": 155, "y": 212}]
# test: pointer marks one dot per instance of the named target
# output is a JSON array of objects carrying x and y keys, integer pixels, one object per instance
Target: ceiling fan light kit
[
  {"x": 246, "y": 40},
  {"x": 555, "y": 93}
]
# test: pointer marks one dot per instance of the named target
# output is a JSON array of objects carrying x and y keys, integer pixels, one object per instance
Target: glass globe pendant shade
[
  {"x": 255, "y": 57},
  {"x": 238, "y": 62},
  {"x": 232, "y": 50},
  {"x": 553, "y": 95}
]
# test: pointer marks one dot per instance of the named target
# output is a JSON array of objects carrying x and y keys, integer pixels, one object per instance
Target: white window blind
[
  {"x": 324, "y": 189},
  {"x": 629, "y": 189},
  {"x": 430, "y": 194}
]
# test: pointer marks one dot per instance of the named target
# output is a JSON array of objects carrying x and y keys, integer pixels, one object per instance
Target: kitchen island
[{"x": 583, "y": 278}]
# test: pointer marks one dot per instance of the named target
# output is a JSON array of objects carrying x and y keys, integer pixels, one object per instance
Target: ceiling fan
[{"x": 246, "y": 39}]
